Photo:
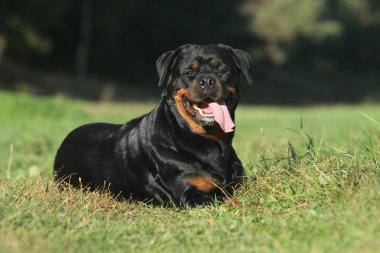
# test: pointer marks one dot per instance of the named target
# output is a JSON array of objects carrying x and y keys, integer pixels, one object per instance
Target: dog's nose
[{"x": 207, "y": 83}]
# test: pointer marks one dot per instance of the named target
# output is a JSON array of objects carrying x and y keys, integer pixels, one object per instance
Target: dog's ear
[
  {"x": 242, "y": 60},
  {"x": 163, "y": 65}
]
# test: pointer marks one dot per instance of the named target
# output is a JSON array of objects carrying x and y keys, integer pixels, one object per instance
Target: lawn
[{"x": 312, "y": 185}]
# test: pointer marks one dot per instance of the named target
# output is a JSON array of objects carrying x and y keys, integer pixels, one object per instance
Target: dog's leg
[{"x": 198, "y": 191}]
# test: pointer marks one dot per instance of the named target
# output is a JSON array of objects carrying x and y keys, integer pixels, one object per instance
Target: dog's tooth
[
  {"x": 198, "y": 109},
  {"x": 201, "y": 112},
  {"x": 206, "y": 115}
]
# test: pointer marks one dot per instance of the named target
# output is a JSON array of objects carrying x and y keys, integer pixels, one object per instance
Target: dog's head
[{"x": 202, "y": 82}]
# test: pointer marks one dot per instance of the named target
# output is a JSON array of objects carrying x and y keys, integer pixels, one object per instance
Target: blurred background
[{"x": 305, "y": 52}]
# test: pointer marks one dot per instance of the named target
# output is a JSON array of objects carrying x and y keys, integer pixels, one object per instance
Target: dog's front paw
[{"x": 197, "y": 199}]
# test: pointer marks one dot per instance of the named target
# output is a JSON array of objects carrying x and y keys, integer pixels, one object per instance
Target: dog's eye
[
  {"x": 221, "y": 71},
  {"x": 189, "y": 73}
]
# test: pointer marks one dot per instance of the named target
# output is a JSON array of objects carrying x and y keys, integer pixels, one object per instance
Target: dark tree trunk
[{"x": 84, "y": 39}]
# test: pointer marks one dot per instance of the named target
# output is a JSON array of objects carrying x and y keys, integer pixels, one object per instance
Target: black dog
[{"x": 180, "y": 152}]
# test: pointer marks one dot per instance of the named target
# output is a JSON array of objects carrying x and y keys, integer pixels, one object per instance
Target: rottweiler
[{"x": 180, "y": 152}]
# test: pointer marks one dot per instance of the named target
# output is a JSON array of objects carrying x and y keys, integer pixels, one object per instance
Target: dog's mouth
[
  {"x": 209, "y": 113},
  {"x": 199, "y": 110}
]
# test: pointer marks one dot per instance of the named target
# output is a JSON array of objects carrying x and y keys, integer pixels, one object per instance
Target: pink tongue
[{"x": 222, "y": 116}]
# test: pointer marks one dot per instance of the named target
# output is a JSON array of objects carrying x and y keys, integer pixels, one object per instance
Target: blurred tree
[
  {"x": 85, "y": 38},
  {"x": 27, "y": 26},
  {"x": 359, "y": 45},
  {"x": 3, "y": 45},
  {"x": 279, "y": 23},
  {"x": 132, "y": 34},
  {"x": 123, "y": 38}
]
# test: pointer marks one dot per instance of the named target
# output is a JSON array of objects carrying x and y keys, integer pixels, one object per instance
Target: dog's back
[{"x": 86, "y": 157}]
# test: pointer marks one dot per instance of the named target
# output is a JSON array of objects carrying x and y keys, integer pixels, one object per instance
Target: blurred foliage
[
  {"x": 325, "y": 34},
  {"x": 279, "y": 23},
  {"x": 125, "y": 37}
]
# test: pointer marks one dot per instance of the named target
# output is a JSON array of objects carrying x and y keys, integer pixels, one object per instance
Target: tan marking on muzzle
[{"x": 194, "y": 126}]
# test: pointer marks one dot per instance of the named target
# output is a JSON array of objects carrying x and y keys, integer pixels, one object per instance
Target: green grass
[{"x": 313, "y": 185}]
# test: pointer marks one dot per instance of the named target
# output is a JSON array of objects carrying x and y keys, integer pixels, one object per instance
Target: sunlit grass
[{"x": 312, "y": 185}]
